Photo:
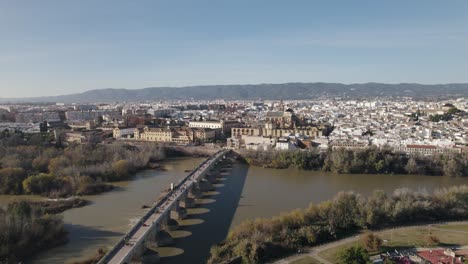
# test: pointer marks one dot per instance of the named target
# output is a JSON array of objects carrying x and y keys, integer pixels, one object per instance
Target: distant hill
[{"x": 286, "y": 91}]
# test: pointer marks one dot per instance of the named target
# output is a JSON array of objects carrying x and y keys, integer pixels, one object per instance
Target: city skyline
[{"x": 57, "y": 48}]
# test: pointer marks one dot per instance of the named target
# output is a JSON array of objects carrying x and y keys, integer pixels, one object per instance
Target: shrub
[{"x": 371, "y": 242}]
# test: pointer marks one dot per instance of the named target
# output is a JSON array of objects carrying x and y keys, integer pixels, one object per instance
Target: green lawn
[
  {"x": 407, "y": 238},
  {"x": 306, "y": 260}
]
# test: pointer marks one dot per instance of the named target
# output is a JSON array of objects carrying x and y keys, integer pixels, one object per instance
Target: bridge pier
[
  {"x": 172, "y": 225},
  {"x": 178, "y": 213},
  {"x": 145, "y": 253},
  {"x": 205, "y": 185},
  {"x": 163, "y": 238},
  {"x": 195, "y": 192},
  {"x": 168, "y": 223},
  {"x": 211, "y": 177},
  {"x": 138, "y": 253},
  {"x": 187, "y": 202}
]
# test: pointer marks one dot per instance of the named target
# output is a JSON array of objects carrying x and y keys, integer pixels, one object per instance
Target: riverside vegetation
[
  {"x": 370, "y": 160},
  {"x": 25, "y": 230},
  {"x": 28, "y": 165},
  {"x": 261, "y": 240}
]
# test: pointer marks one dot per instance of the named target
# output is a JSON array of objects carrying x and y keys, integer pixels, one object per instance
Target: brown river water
[{"x": 244, "y": 193}]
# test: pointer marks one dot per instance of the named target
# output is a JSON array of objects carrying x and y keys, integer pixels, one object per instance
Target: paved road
[
  {"x": 314, "y": 251},
  {"x": 125, "y": 250}
]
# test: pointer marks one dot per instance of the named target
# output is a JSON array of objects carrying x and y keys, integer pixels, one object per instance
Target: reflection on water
[{"x": 244, "y": 193}]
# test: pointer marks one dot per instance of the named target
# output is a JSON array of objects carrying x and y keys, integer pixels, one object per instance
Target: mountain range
[{"x": 287, "y": 91}]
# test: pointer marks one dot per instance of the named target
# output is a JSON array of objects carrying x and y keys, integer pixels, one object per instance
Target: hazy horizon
[
  {"x": 254, "y": 84},
  {"x": 54, "y": 47}
]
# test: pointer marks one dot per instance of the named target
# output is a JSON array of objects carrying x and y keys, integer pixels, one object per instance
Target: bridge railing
[{"x": 147, "y": 215}]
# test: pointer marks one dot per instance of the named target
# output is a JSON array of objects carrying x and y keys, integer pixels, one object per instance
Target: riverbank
[
  {"x": 57, "y": 206},
  {"x": 82, "y": 169},
  {"x": 369, "y": 160},
  {"x": 26, "y": 230},
  {"x": 261, "y": 240},
  {"x": 57, "y": 172}
]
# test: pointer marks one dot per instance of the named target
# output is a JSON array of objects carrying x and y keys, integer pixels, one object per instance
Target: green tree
[{"x": 354, "y": 255}]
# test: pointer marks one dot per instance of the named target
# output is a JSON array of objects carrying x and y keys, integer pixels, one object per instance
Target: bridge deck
[{"x": 123, "y": 250}]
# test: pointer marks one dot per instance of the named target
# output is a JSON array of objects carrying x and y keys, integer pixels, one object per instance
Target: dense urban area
[
  {"x": 63, "y": 151},
  {"x": 405, "y": 125}
]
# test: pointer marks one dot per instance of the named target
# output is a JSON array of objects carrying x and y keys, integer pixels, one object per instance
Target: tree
[
  {"x": 43, "y": 184},
  {"x": 344, "y": 212},
  {"x": 412, "y": 166},
  {"x": 25, "y": 229},
  {"x": 453, "y": 167},
  {"x": 56, "y": 165},
  {"x": 121, "y": 169},
  {"x": 371, "y": 242},
  {"x": 11, "y": 180},
  {"x": 21, "y": 210},
  {"x": 40, "y": 164},
  {"x": 354, "y": 255}
]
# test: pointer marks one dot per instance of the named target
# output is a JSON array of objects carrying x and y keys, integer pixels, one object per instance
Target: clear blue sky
[{"x": 63, "y": 46}]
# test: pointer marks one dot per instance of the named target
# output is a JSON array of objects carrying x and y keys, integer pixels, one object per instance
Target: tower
[{"x": 281, "y": 105}]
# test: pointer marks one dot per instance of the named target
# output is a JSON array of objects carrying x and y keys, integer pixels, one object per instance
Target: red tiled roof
[{"x": 437, "y": 256}]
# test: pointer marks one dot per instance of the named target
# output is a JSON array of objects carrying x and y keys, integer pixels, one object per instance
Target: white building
[
  {"x": 206, "y": 124},
  {"x": 285, "y": 144},
  {"x": 123, "y": 132}
]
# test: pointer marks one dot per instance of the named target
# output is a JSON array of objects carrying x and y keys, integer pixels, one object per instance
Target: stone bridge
[{"x": 151, "y": 229}]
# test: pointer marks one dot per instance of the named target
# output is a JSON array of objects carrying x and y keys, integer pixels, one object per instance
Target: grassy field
[
  {"x": 461, "y": 227},
  {"x": 409, "y": 238},
  {"x": 332, "y": 253},
  {"x": 306, "y": 260}
]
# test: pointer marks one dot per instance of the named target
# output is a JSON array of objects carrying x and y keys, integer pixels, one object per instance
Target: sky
[{"x": 56, "y": 47}]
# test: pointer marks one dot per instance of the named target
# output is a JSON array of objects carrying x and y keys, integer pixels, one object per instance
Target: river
[{"x": 243, "y": 193}]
